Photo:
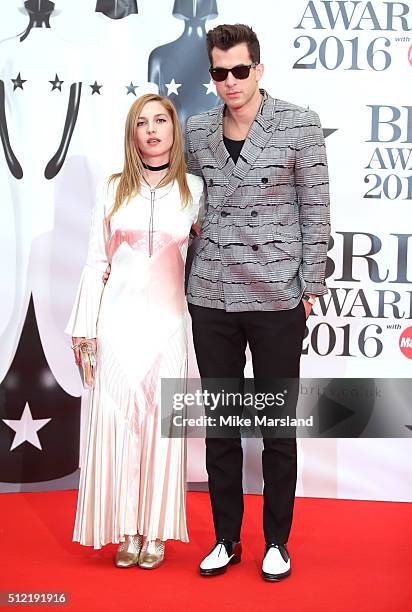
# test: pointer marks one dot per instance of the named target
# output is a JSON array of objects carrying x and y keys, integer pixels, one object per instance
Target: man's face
[{"x": 236, "y": 92}]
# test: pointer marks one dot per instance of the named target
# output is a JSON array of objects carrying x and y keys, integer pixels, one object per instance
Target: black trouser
[{"x": 275, "y": 341}]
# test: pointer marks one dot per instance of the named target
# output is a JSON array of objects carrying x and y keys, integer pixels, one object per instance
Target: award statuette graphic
[
  {"x": 180, "y": 68},
  {"x": 39, "y": 12},
  {"x": 39, "y": 422},
  {"x": 117, "y": 9}
]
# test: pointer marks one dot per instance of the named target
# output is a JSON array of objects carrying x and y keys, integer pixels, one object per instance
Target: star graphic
[
  {"x": 26, "y": 428},
  {"x": 18, "y": 82},
  {"x": 328, "y": 131},
  {"x": 210, "y": 87},
  {"x": 96, "y": 88},
  {"x": 57, "y": 84},
  {"x": 131, "y": 88},
  {"x": 172, "y": 87}
]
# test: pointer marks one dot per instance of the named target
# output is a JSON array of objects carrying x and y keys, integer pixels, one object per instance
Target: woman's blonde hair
[{"x": 130, "y": 179}]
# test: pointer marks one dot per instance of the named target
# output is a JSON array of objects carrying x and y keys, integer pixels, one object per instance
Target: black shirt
[{"x": 233, "y": 147}]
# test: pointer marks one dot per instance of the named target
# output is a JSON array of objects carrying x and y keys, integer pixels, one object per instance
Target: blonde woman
[{"x": 132, "y": 484}]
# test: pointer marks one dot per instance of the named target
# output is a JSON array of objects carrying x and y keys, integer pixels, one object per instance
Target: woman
[{"x": 132, "y": 484}]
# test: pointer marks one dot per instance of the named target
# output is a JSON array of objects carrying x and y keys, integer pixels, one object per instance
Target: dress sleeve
[
  {"x": 83, "y": 318},
  {"x": 197, "y": 210},
  {"x": 200, "y": 209},
  {"x": 198, "y": 199}
]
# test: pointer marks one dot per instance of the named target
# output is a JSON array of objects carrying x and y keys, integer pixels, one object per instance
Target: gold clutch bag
[{"x": 87, "y": 363}]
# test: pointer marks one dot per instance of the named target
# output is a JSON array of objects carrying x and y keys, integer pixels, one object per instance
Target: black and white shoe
[
  {"x": 276, "y": 563},
  {"x": 223, "y": 553}
]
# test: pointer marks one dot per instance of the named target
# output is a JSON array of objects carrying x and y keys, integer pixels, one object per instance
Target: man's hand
[
  {"x": 106, "y": 275},
  {"x": 307, "y": 304},
  {"x": 308, "y": 307}
]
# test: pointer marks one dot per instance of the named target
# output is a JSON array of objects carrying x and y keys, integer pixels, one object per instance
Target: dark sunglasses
[{"x": 239, "y": 72}]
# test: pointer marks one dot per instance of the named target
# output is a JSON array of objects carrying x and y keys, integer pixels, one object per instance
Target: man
[{"x": 258, "y": 267}]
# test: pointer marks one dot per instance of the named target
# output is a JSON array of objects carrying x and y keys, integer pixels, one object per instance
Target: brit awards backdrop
[{"x": 69, "y": 71}]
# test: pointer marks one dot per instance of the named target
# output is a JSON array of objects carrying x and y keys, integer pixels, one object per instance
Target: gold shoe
[
  {"x": 152, "y": 554},
  {"x": 128, "y": 552}
]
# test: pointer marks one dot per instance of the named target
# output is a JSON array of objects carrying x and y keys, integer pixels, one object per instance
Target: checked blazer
[{"x": 266, "y": 228}]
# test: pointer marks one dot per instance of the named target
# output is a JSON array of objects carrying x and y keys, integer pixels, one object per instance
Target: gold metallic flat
[
  {"x": 152, "y": 554},
  {"x": 128, "y": 552}
]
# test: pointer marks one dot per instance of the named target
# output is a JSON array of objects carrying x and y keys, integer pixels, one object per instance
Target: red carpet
[{"x": 346, "y": 555}]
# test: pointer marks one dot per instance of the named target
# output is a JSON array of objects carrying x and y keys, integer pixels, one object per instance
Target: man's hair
[{"x": 226, "y": 36}]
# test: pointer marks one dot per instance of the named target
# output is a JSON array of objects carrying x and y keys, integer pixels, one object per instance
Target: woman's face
[{"x": 154, "y": 133}]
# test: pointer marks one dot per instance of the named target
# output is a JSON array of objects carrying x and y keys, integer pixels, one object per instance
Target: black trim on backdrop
[
  {"x": 56, "y": 163},
  {"x": 11, "y": 160}
]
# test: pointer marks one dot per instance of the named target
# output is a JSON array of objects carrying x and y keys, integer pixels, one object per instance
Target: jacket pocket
[{"x": 288, "y": 244}]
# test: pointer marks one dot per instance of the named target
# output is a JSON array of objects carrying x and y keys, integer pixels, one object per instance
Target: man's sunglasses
[{"x": 239, "y": 72}]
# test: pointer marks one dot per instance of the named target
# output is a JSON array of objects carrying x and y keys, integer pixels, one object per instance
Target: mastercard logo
[
  {"x": 405, "y": 342},
  {"x": 410, "y": 55}
]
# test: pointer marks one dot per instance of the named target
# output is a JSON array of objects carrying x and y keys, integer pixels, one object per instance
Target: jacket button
[
  {"x": 210, "y": 182},
  {"x": 254, "y": 213},
  {"x": 265, "y": 179},
  {"x": 255, "y": 247}
]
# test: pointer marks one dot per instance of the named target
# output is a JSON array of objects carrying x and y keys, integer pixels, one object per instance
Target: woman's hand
[
  {"x": 195, "y": 230},
  {"x": 76, "y": 347}
]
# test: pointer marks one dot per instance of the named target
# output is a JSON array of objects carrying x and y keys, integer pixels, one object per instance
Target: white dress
[{"x": 133, "y": 480}]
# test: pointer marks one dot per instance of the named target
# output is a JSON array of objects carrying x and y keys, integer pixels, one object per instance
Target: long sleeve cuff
[
  {"x": 316, "y": 288},
  {"x": 83, "y": 318}
]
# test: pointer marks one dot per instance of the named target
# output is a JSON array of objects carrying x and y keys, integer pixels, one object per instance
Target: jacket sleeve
[
  {"x": 83, "y": 318},
  {"x": 312, "y": 186}
]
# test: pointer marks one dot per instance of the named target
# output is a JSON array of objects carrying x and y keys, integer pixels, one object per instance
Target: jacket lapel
[
  {"x": 216, "y": 145},
  {"x": 260, "y": 131}
]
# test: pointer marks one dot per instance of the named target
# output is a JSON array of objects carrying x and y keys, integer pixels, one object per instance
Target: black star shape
[
  {"x": 18, "y": 82},
  {"x": 57, "y": 84},
  {"x": 131, "y": 88},
  {"x": 96, "y": 88},
  {"x": 328, "y": 131}
]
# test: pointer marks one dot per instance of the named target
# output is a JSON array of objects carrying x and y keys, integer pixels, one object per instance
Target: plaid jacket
[{"x": 266, "y": 229}]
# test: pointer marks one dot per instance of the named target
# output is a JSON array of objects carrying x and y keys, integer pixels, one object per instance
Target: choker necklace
[{"x": 155, "y": 168}]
